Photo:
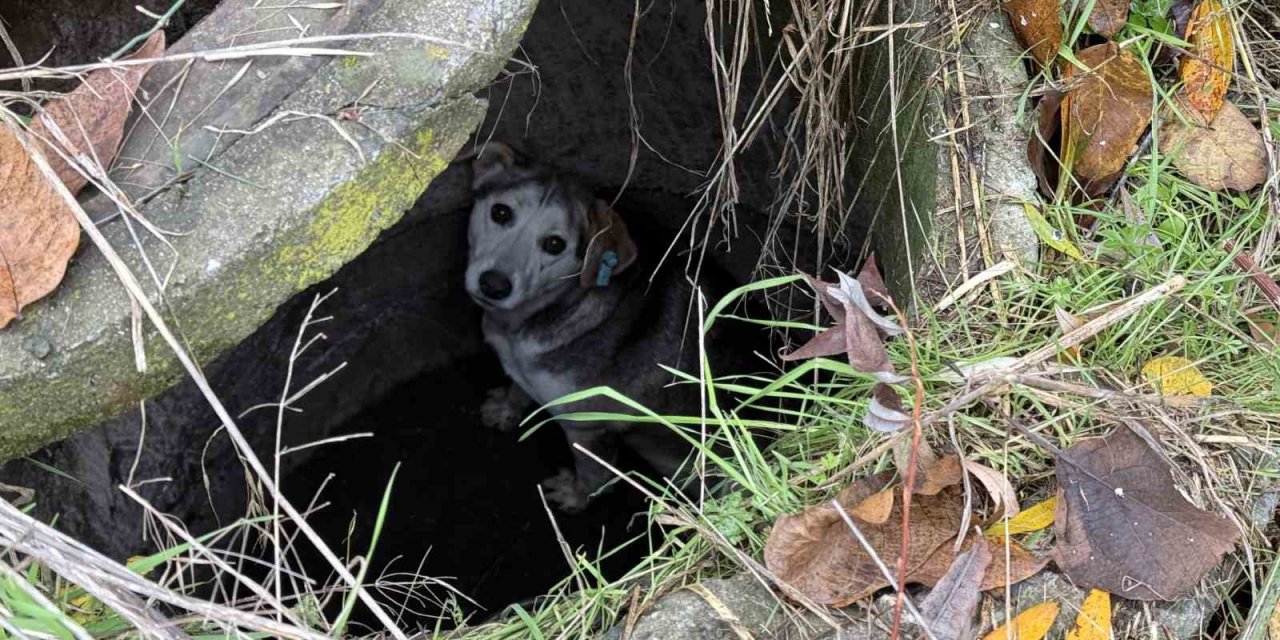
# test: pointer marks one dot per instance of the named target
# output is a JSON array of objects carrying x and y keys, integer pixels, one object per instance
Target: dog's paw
[
  {"x": 565, "y": 493},
  {"x": 499, "y": 411}
]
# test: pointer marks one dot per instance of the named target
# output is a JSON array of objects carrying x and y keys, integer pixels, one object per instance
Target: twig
[
  {"x": 1246, "y": 263},
  {"x": 1072, "y": 338}
]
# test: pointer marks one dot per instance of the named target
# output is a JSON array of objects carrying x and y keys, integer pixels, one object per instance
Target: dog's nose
[{"x": 494, "y": 285}]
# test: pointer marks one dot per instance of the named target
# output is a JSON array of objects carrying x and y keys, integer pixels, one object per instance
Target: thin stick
[
  {"x": 134, "y": 288},
  {"x": 1072, "y": 338},
  {"x": 1249, "y": 266}
]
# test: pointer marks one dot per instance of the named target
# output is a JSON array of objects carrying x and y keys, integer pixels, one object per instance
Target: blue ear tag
[{"x": 608, "y": 260}]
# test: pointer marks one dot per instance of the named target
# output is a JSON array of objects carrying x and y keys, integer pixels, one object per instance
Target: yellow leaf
[
  {"x": 1050, "y": 235},
  {"x": 1031, "y": 624},
  {"x": 1175, "y": 376},
  {"x": 1206, "y": 69},
  {"x": 1033, "y": 518},
  {"x": 1094, "y": 620}
]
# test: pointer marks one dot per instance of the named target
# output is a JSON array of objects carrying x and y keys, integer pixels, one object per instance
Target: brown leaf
[
  {"x": 1104, "y": 115},
  {"x": 857, "y": 326},
  {"x": 1042, "y": 149},
  {"x": 1038, "y": 26},
  {"x": 1109, "y": 16},
  {"x": 815, "y": 552},
  {"x": 1123, "y": 527},
  {"x": 38, "y": 234},
  {"x": 1206, "y": 69},
  {"x": 1021, "y": 564},
  {"x": 873, "y": 284},
  {"x": 92, "y": 117},
  {"x": 1068, "y": 322},
  {"x": 945, "y": 472},
  {"x": 949, "y": 607},
  {"x": 1230, "y": 154},
  {"x": 886, "y": 412},
  {"x": 875, "y": 509}
]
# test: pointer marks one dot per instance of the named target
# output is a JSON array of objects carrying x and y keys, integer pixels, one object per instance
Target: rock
[{"x": 278, "y": 202}]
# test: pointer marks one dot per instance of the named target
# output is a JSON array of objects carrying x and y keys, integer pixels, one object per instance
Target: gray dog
[{"x": 567, "y": 307}]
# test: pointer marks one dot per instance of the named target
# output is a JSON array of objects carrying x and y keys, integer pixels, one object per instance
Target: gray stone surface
[{"x": 266, "y": 214}]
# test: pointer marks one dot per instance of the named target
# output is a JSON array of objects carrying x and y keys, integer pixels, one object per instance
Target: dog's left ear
[
  {"x": 610, "y": 249},
  {"x": 489, "y": 161}
]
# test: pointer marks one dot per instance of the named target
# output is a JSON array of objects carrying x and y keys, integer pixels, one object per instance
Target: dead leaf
[
  {"x": 38, "y": 234},
  {"x": 92, "y": 117},
  {"x": 1068, "y": 322},
  {"x": 1003, "y": 496},
  {"x": 873, "y": 284},
  {"x": 1264, "y": 330},
  {"x": 943, "y": 473},
  {"x": 1109, "y": 16},
  {"x": 1206, "y": 69},
  {"x": 1104, "y": 114},
  {"x": 1230, "y": 154},
  {"x": 856, "y": 332},
  {"x": 1094, "y": 619},
  {"x": 886, "y": 412},
  {"x": 1175, "y": 376},
  {"x": 875, "y": 509},
  {"x": 1038, "y": 26},
  {"x": 1031, "y": 624},
  {"x": 948, "y": 609},
  {"x": 1123, "y": 526},
  {"x": 1042, "y": 148},
  {"x": 1018, "y": 566},
  {"x": 1033, "y": 518},
  {"x": 815, "y": 552}
]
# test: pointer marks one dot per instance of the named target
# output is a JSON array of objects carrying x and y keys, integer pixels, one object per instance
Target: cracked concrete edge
[
  {"x": 277, "y": 211},
  {"x": 916, "y": 244}
]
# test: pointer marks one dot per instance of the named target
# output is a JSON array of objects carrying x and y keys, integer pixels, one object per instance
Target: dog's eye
[
  {"x": 501, "y": 214},
  {"x": 553, "y": 245}
]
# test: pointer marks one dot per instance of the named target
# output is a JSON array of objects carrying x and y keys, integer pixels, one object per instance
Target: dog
[{"x": 567, "y": 306}]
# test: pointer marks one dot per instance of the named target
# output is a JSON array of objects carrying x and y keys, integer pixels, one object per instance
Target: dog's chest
[{"x": 521, "y": 360}]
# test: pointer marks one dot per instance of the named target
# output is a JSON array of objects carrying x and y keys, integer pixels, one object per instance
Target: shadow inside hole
[{"x": 465, "y": 496}]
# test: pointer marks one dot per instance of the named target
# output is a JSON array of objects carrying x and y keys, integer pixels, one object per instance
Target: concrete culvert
[{"x": 280, "y": 211}]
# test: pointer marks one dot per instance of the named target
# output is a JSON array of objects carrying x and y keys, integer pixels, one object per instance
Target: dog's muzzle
[{"x": 494, "y": 285}]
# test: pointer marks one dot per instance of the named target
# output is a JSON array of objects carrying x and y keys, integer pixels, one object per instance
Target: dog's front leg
[
  {"x": 505, "y": 407},
  {"x": 571, "y": 491}
]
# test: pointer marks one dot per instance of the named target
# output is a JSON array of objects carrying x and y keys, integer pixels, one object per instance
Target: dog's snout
[{"x": 494, "y": 285}]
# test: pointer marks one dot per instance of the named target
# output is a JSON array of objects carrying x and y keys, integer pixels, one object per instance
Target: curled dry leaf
[
  {"x": 1032, "y": 624},
  {"x": 92, "y": 117},
  {"x": 1039, "y": 27},
  {"x": 1206, "y": 69},
  {"x": 1104, "y": 114},
  {"x": 1109, "y": 16},
  {"x": 1019, "y": 564},
  {"x": 38, "y": 234},
  {"x": 938, "y": 475},
  {"x": 816, "y": 553},
  {"x": 873, "y": 284},
  {"x": 886, "y": 412},
  {"x": 1003, "y": 496},
  {"x": 1042, "y": 148},
  {"x": 1033, "y": 518},
  {"x": 1123, "y": 526},
  {"x": 1094, "y": 620},
  {"x": 1068, "y": 322},
  {"x": 948, "y": 609},
  {"x": 1229, "y": 154}
]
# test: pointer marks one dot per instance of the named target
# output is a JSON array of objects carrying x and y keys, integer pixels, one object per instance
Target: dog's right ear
[{"x": 489, "y": 162}]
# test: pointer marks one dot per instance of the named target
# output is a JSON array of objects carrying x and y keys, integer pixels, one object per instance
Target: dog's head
[{"x": 536, "y": 235}]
